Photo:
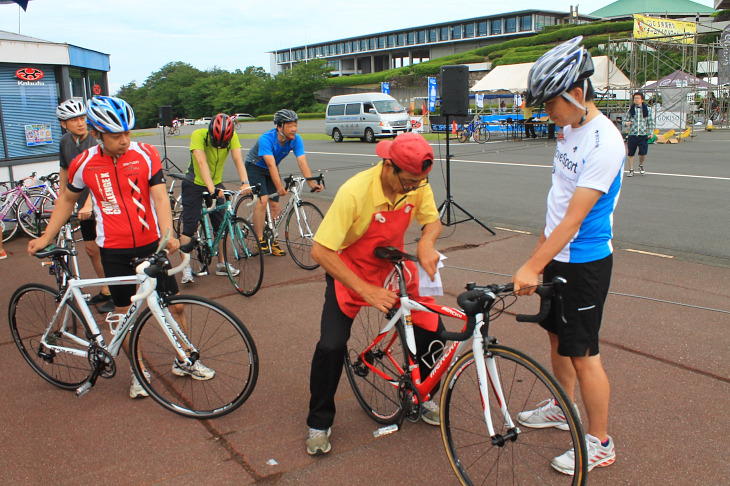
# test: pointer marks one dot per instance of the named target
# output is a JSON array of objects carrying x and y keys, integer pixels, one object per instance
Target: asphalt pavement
[{"x": 664, "y": 345}]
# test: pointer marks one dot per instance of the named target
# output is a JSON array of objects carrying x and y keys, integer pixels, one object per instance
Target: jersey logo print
[{"x": 137, "y": 198}]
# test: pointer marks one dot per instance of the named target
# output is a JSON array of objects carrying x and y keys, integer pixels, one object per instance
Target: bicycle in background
[
  {"x": 487, "y": 385},
  {"x": 475, "y": 129},
  {"x": 302, "y": 219},
  {"x": 57, "y": 335}
]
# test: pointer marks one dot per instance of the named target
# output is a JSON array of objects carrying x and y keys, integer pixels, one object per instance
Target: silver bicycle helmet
[
  {"x": 285, "y": 116},
  {"x": 108, "y": 114},
  {"x": 557, "y": 70},
  {"x": 70, "y": 108}
]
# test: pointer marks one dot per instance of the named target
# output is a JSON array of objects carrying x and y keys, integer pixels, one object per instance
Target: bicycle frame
[
  {"x": 147, "y": 290},
  {"x": 212, "y": 241},
  {"x": 487, "y": 374}
]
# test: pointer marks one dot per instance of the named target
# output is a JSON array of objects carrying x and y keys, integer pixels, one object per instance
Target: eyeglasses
[{"x": 413, "y": 185}]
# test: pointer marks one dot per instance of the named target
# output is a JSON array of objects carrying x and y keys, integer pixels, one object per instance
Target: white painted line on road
[
  {"x": 513, "y": 230},
  {"x": 660, "y": 255}
]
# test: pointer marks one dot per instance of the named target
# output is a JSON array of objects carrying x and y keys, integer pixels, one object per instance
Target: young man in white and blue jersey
[{"x": 576, "y": 242}]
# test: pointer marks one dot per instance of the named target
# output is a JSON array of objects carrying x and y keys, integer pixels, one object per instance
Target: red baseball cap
[{"x": 408, "y": 151}]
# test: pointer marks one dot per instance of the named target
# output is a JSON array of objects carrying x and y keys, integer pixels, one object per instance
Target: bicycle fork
[{"x": 488, "y": 377}]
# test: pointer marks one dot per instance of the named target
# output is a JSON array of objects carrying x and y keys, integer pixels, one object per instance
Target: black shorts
[
  {"x": 638, "y": 141},
  {"x": 118, "y": 263},
  {"x": 583, "y": 300},
  {"x": 259, "y": 175},
  {"x": 88, "y": 229},
  {"x": 192, "y": 202}
]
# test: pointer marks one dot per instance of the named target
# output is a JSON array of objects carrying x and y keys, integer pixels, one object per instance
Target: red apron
[{"x": 387, "y": 228}]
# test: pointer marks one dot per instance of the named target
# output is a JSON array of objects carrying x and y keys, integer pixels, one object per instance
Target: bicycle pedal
[{"x": 83, "y": 389}]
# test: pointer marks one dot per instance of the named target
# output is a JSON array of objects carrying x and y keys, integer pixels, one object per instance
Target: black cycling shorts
[
  {"x": 119, "y": 263},
  {"x": 88, "y": 229},
  {"x": 192, "y": 202},
  {"x": 583, "y": 300},
  {"x": 261, "y": 176}
]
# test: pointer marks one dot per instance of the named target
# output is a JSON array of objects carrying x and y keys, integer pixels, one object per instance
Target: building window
[
  {"x": 371, "y": 44},
  {"x": 381, "y": 42},
  {"x": 400, "y": 40},
  {"x": 510, "y": 25},
  {"x": 421, "y": 37},
  {"x": 496, "y": 26},
  {"x": 444, "y": 34},
  {"x": 433, "y": 35},
  {"x": 468, "y": 31},
  {"x": 482, "y": 29},
  {"x": 410, "y": 39},
  {"x": 525, "y": 23},
  {"x": 346, "y": 48},
  {"x": 456, "y": 32},
  {"x": 363, "y": 45}
]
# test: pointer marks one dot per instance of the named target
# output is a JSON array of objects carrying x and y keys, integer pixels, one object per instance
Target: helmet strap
[{"x": 583, "y": 106}]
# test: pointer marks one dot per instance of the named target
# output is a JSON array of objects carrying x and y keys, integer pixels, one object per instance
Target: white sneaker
[
  {"x": 221, "y": 270},
  {"x": 598, "y": 456},
  {"x": 188, "y": 275},
  {"x": 136, "y": 390},
  {"x": 430, "y": 413},
  {"x": 318, "y": 441},
  {"x": 547, "y": 414},
  {"x": 198, "y": 371}
]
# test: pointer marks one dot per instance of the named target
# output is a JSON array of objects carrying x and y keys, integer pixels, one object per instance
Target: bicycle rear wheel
[
  {"x": 34, "y": 219},
  {"x": 374, "y": 370},
  {"x": 177, "y": 208},
  {"x": 524, "y": 460},
  {"x": 9, "y": 225},
  {"x": 31, "y": 309},
  {"x": 302, "y": 223},
  {"x": 224, "y": 345},
  {"x": 245, "y": 259}
]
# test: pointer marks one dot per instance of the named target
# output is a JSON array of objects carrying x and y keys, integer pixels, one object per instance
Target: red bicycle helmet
[{"x": 220, "y": 130}]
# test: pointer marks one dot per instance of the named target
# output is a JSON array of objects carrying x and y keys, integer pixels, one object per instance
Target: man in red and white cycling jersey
[{"x": 130, "y": 203}]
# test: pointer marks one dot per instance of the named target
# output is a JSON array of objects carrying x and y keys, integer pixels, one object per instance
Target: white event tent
[{"x": 513, "y": 77}]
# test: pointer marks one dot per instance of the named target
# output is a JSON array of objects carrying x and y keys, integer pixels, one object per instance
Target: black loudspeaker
[
  {"x": 166, "y": 116},
  {"x": 454, "y": 90}
]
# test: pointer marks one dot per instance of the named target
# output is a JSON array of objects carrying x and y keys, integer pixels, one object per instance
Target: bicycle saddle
[
  {"x": 175, "y": 175},
  {"x": 393, "y": 254},
  {"x": 53, "y": 251}
]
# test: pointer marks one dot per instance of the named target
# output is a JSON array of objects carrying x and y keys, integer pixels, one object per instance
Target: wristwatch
[{"x": 244, "y": 182}]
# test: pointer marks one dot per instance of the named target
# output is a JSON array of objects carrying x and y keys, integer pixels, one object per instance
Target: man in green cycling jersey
[{"x": 209, "y": 149}]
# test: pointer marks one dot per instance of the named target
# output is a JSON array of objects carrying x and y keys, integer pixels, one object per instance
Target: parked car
[
  {"x": 189, "y": 121},
  {"x": 203, "y": 121},
  {"x": 366, "y": 116},
  {"x": 243, "y": 116}
]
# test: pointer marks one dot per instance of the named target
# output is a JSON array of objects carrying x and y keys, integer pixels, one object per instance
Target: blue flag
[
  {"x": 432, "y": 94},
  {"x": 22, "y": 3}
]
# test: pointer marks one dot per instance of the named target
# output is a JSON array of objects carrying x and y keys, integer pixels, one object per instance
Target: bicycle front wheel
[
  {"x": 478, "y": 458},
  {"x": 463, "y": 135},
  {"x": 482, "y": 134},
  {"x": 223, "y": 344},
  {"x": 302, "y": 223},
  {"x": 244, "y": 257},
  {"x": 9, "y": 224},
  {"x": 177, "y": 208},
  {"x": 33, "y": 218},
  {"x": 30, "y": 312},
  {"x": 243, "y": 210},
  {"x": 374, "y": 369}
]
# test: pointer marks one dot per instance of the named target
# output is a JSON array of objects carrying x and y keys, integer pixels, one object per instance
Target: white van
[{"x": 366, "y": 116}]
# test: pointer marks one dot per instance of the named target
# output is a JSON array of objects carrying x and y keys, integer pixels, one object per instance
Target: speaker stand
[
  {"x": 165, "y": 159},
  {"x": 446, "y": 206}
]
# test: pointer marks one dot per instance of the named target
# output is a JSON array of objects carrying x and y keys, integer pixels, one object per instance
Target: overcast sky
[{"x": 143, "y": 35}]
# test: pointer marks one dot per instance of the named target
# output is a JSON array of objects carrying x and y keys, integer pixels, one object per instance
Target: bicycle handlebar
[
  {"x": 480, "y": 299},
  {"x": 154, "y": 267}
]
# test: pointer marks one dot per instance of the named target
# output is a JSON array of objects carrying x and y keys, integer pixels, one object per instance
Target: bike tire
[
  {"x": 242, "y": 209},
  {"x": 177, "y": 209},
  {"x": 223, "y": 343},
  {"x": 378, "y": 395},
  {"x": 482, "y": 134},
  {"x": 30, "y": 312},
  {"x": 243, "y": 253},
  {"x": 524, "y": 460},
  {"x": 9, "y": 224},
  {"x": 463, "y": 135},
  {"x": 33, "y": 221},
  {"x": 302, "y": 224}
]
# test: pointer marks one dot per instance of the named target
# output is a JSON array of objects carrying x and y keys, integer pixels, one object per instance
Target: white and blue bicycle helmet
[
  {"x": 557, "y": 70},
  {"x": 108, "y": 114},
  {"x": 70, "y": 108}
]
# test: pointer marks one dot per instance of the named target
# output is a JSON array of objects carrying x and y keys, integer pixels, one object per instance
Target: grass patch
[{"x": 144, "y": 134}]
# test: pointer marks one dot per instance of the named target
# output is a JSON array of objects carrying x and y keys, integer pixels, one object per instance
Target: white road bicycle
[{"x": 59, "y": 338}]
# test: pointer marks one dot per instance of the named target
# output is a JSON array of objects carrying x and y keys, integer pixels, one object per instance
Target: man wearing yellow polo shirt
[{"x": 373, "y": 208}]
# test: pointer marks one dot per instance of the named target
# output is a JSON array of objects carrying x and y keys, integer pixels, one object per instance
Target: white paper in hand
[{"x": 425, "y": 285}]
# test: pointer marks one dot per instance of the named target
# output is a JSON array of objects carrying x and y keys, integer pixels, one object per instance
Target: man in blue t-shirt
[{"x": 262, "y": 165}]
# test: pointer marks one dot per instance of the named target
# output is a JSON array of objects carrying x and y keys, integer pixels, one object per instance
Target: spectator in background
[
  {"x": 502, "y": 106},
  {"x": 641, "y": 126},
  {"x": 527, "y": 115}
]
